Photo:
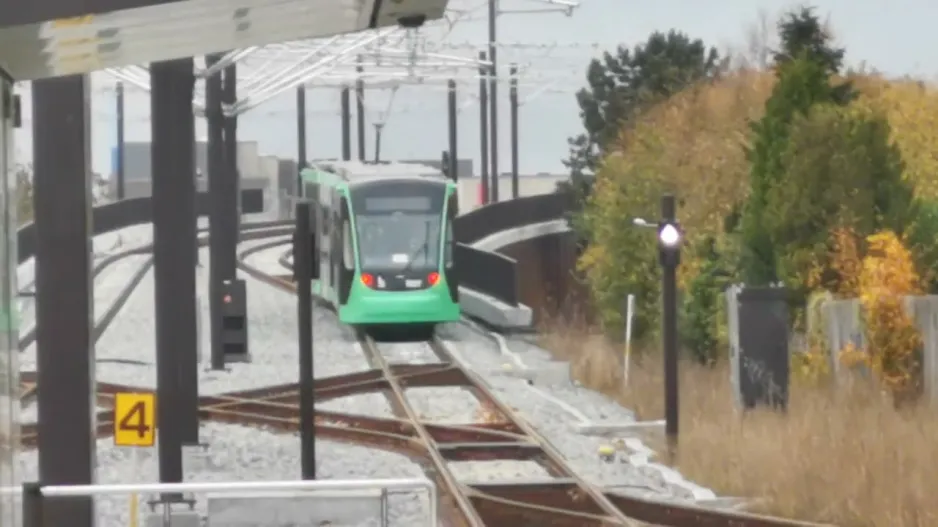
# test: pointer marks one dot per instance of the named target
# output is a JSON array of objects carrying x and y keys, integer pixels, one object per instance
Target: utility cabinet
[{"x": 759, "y": 345}]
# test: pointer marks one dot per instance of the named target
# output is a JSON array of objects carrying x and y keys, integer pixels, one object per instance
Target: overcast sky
[{"x": 896, "y": 37}]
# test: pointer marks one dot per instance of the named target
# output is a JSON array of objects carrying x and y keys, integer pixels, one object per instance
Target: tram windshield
[{"x": 399, "y": 225}]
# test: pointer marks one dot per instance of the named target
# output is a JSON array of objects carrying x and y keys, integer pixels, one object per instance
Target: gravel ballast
[
  {"x": 238, "y": 453},
  {"x": 552, "y": 421},
  {"x": 242, "y": 453}
]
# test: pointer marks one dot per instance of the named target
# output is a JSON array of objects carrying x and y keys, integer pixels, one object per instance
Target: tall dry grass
[{"x": 843, "y": 456}]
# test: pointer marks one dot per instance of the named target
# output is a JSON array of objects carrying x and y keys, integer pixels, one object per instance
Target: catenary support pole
[
  {"x": 379, "y": 127},
  {"x": 513, "y": 102},
  {"x": 217, "y": 173},
  {"x": 303, "y": 264},
  {"x": 64, "y": 292},
  {"x": 346, "y": 102},
  {"x": 493, "y": 98},
  {"x": 171, "y": 155},
  {"x": 300, "y": 133},
  {"x": 189, "y": 374},
  {"x": 232, "y": 188},
  {"x": 119, "y": 170},
  {"x": 360, "y": 109},
  {"x": 451, "y": 110},
  {"x": 484, "y": 128}
]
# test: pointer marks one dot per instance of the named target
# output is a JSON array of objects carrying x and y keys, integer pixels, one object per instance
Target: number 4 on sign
[{"x": 134, "y": 419}]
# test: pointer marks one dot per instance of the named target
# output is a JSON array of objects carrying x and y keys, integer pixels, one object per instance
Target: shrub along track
[
  {"x": 106, "y": 391},
  {"x": 565, "y": 500}
]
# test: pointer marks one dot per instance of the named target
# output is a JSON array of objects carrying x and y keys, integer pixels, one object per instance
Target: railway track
[
  {"x": 28, "y": 386},
  {"x": 565, "y": 500}
]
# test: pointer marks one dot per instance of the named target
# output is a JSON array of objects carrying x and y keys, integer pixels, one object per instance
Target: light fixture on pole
[{"x": 670, "y": 238}]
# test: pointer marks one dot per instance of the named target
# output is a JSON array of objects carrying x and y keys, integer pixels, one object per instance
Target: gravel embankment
[
  {"x": 103, "y": 246},
  {"x": 238, "y": 453},
  {"x": 551, "y": 402},
  {"x": 554, "y": 422}
]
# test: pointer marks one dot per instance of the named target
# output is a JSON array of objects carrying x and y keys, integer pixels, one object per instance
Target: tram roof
[{"x": 359, "y": 171}]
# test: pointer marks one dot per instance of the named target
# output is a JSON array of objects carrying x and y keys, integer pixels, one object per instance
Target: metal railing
[{"x": 34, "y": 495}]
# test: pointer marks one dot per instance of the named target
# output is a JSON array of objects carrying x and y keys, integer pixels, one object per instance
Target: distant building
[{"x": 255, "y": 172}]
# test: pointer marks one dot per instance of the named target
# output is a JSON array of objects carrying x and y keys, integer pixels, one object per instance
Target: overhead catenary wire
[{"x": 393, "y": 58}]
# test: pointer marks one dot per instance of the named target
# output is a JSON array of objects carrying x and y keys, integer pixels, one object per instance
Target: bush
[
  {"x": 893, "y": 343},
  {"x": 621, "y": 259},
  {"x": 911, "y": 107},
  {"x": 921, "y": 237},
  {"x": 703, "y": 321},
  {"x": 801, "y": 84},
  {"x": 688, "y": 145},
  {"x": 838, "y": 170}
]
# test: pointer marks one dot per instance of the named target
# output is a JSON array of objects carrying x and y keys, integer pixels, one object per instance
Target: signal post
[{"x": 135, "y": 428}]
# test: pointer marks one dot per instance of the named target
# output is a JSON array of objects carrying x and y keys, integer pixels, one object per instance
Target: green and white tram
[{"x": 384, "y": 244}]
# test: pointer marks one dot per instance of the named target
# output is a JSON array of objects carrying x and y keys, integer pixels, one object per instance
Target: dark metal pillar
[
  {"x": 670, "y": 258},
  {"x": 453, "y": 145},
  {"x": 171, "y": 154},
  {"x": 484, "y": 128},
  {"x": 513, "y": 103},
  {"x": 300, "y": 134},
  {"x": 360, "y": 109},
  {"x": 232, "y": 188},
  {"x": 32, "y": 505},
  {"x": 346, "y": 124},
  {"x": 64, "y": 292},
  {"x": 217, "y": 174},
  {"x": 119, "y": 169},
  {"x": 379, "y": 127},
  {"x": 493, "y": 97},
  {"x": 303, "y": 265}
]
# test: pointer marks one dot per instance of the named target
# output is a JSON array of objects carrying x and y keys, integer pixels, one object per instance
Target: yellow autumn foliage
[
  {"x": 911, "y": 107},
  {"x": 881, "y": 279},
  {"x": 694, "y": 141},
  {"x": 893, "y": 343},
  {"x": 692, "y": 145}
]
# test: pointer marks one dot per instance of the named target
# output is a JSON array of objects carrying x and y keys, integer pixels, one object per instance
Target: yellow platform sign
[{"x": 134, "y": 419}]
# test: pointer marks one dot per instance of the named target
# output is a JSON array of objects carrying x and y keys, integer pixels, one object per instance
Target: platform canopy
[{"x": 44, "y": 41}]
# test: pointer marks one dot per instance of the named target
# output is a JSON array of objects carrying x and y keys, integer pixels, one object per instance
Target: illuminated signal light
[
  {"x": 433, "y": 278},
  {"x": 226, "y": 299},
  {"x": 368, "y": 280}
]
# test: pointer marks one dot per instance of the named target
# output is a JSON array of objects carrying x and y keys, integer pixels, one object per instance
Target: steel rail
[
  {"x": 440, "y": 471},
  {"x": 552, "y": 459}
]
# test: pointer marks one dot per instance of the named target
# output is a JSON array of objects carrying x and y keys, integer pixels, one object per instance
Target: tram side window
[
  {"x": 348, "y": 256},
  {"x": 449, "y": 244},
  {"x": 324, "y": 212}
]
